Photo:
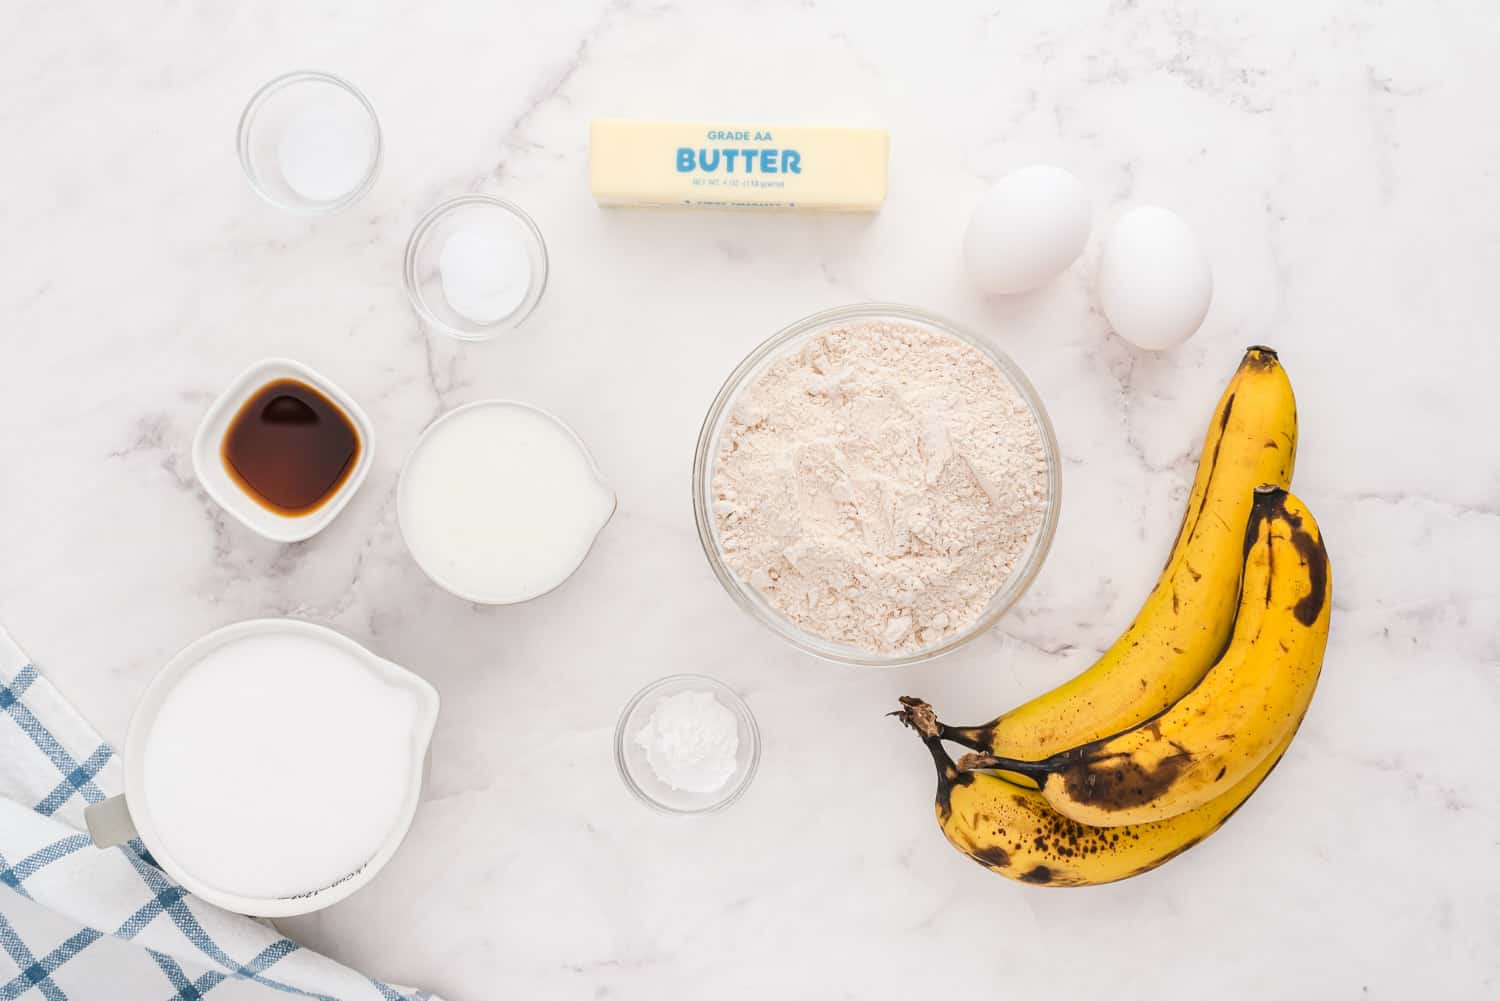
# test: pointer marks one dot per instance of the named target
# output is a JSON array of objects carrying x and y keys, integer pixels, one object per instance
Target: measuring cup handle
[{"x": 109, "y": 822}]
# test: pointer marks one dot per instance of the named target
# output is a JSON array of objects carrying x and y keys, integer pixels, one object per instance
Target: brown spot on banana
[
  {"x": 1121, "y": 782},
  {"x": 1312, "y": 551},
  {"x": 1213, "y": 467},
  {"x": 1270, "y": 500},
  {"x": 991, "y": 856}
]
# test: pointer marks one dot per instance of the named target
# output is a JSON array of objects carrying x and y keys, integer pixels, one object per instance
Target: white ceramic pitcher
[{"x": 120, "y": 818}]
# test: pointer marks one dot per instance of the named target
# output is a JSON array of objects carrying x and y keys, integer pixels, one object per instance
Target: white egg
[
  {"x": 1026, "y": 229},
  {"x": 1154, "y": 282}
]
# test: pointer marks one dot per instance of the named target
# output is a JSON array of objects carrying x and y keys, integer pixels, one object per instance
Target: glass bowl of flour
[{"x": 876, "y": 485}]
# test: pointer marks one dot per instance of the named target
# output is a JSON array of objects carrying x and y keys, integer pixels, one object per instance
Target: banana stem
[
  {"x": 1037, "y": 771},
  {"x": 975, "y": 738},
  {"x": 919, "y": 716}
]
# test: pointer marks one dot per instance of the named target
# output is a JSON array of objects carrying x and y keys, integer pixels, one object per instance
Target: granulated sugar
[
  {"x": 879, "y": 484},
  {"x": 279, "y": 764}
]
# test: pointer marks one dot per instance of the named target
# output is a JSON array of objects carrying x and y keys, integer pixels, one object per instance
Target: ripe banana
[
  {"x": 1012, "y": 831},
  {"x": 1185, "y": 622},
  {"x": 1246, "y": 705}
]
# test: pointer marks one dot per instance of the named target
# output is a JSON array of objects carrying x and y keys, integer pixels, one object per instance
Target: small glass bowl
[
  {"x": 265, "y": 120},
  {"x": 636, "y": 772},
  {"x": 751, "y": 600},
  {"x": 424, "y": 283}
]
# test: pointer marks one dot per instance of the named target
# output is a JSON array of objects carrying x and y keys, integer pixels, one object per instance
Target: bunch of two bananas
[{"x": 1152, "y": 748}]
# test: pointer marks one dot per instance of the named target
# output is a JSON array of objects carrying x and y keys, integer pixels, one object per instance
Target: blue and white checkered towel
[{"x": 81, "y": 923}]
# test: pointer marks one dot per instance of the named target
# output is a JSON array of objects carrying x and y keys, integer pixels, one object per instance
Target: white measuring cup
[{"x": 120, "y": 818}]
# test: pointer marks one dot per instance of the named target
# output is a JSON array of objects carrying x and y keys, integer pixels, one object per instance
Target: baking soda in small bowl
[
  {"x": 687, "y": 744},
  {"x": 691, "y": 742}
]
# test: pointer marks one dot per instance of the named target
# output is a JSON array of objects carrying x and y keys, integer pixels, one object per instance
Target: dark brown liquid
[{"x": 290, "y": 447}]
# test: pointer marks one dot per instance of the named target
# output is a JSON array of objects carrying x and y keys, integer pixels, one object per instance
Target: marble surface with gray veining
[{"x": 1338, "y": 160}]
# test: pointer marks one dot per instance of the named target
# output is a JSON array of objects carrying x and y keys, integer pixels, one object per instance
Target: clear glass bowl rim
[
  {"x": 409, "y": 268},
  {"x": 744, "y": 595},
  {"x": 736, "y": 704},
  {"x": 247, "y": 117}
]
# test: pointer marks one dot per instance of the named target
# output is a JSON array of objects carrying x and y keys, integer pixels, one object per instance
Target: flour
[{"x": 879, "y": 484}]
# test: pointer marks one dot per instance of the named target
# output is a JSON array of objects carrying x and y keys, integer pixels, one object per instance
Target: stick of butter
[{"x": 737, "y": 166}]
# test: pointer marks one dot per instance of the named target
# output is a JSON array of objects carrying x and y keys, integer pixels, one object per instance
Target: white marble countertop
[{"x": 1338, "y": 161}]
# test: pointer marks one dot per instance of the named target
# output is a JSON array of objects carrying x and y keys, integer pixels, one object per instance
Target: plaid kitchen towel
[{"x": 81, "y": 923}]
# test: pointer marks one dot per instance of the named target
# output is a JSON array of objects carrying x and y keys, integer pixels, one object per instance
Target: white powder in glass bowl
[
  {"x": 878, "y": 485},
  {"x": 691, "y": 742}
]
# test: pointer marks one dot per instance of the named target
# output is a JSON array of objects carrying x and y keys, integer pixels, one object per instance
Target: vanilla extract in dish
[{"x": 290, "y": 447}]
